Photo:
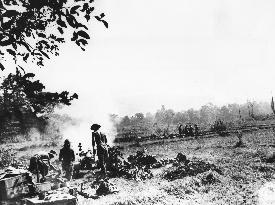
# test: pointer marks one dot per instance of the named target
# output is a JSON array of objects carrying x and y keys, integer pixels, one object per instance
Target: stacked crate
[{"x": 13, "y": 186}]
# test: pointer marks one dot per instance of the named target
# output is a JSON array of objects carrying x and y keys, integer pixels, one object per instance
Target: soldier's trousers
[
  {"x": 68, "y": 169},
  {"x": 102, "y": 159}
]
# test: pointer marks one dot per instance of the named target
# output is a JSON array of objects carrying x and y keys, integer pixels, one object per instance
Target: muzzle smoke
[{"x": 87, "y": 112}]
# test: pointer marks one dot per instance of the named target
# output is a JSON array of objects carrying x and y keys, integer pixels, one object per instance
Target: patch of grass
[
  {"x": 243, "y": 172},
  {"x": 180, "y": 188}
]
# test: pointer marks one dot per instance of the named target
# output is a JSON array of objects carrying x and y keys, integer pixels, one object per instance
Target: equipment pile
[
  {"x": 141, "y": 159},
  {"x": 137, "y": 167},
  {"x": 105, "y": 187},
  {"x": 184, "y": 167}
]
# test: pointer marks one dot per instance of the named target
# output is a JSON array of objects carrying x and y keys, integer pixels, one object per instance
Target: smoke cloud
[{"x": 86, "y": 111}]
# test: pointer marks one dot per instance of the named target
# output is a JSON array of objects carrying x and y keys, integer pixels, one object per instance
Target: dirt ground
[{"x": 243, "y": 172}]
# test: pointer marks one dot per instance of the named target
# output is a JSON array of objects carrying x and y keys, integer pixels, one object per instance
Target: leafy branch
[{"x": 32, "y": 30}]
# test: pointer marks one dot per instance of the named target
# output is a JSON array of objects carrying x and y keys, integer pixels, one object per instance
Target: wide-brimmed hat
[
  {"x": 67, "y": 143},
  {"x": 95, "y": 127},
  {"x": 52, "y": 153}
]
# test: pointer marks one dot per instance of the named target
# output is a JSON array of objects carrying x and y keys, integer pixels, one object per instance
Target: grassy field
[{"x": 243, "y": 172}]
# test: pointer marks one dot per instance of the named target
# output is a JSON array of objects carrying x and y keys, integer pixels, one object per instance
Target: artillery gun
[{"x": 86, "y": 161}]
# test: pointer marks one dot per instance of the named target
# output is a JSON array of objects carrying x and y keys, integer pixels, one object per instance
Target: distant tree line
[{"x": 166, "y": 121}]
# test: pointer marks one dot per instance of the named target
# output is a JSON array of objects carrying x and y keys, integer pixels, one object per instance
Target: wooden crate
[
  {"x": 13, "y": 186},
  {"x": 15, "y": 192},
  {"x": 12, "y": 180},
  {"x": 68, "y": 200},
  {"x": 43, "y": 187}
]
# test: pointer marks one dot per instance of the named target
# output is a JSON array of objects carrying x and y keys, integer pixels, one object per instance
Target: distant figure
[
  {"x": 67, "y": 157},
  {"x": 180, "y": 129},
  {"x": 191, "y": 131},
  {"x": 196, "y": 130},
  {"x": 240, "y": 139},
  {"x": 40, "y": 164},
  {"x": 166, "y": 132},
  {"x": 186, "y": 131},
  {"x": 100, "y": 140}
]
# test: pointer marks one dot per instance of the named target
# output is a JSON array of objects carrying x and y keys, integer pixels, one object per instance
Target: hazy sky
[{"x": 179, "y": 53}]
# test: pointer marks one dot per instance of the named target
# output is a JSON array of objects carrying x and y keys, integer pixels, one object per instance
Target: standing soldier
[
  {"x": 196, "y": 130},
  {"x": 240, "y": 136},
  {"x": 191, "y": 131},
  {"x": 186, "y": 131},
  {"x": 100, "y": 141},
  {"x": 67, "y": 157},
  {"x": 180, "y": 130}
]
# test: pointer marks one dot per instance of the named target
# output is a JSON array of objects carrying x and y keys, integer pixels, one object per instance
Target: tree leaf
[
  {"x": 60, "y": 40},
  {"x": 61, "y": 23},
  {"x": 81, "y": 25},
  {"x": 14, "y": 45},
  {"x": 2, "y": 67},
  {"x": 45, "y": 54},
  {"x": 21, "y": 68},
  {"x": 25, "y": 58},
  {"x": 12, "y": 52},
  {"x": 74, "y": 8},
  {"x": 6, "y": 42},
  {"x": 83, "y": 34},
  {"x": 85, "y": 7},
  {"x": 87, "y": 17},
  {"x": 75, "y": 36},
  {"x": 38, "y": 54},
  {"x": 29, "y": 75},
  {"x": 83, "y": 41},
  {"x": 98, "y": 18},
  {"x": 45, "y": 43},
  {"x": 105, "y": 23},
  {"x": 74, "y": 96},
  {"x": 42, "y": 35},
  {"x": 25, "y": 45},
  {"x": 71, "y": 20},
  {"x": 90, "y": 10},
  {"x": 60, "y": 30}
]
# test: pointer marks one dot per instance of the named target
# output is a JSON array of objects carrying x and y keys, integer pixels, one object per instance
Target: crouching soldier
[
  {"x": 100, "y": 141},
  {"x": 40, "y": 164},
  {"x": 67, "y": 157}
]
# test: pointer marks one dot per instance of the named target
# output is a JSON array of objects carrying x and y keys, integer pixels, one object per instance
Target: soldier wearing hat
[
  {"x": 100, "y": 141},
  {"x": 40, "y": 163}
]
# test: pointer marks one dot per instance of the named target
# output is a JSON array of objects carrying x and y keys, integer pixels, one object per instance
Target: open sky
[{"x": 180, "y": 53}]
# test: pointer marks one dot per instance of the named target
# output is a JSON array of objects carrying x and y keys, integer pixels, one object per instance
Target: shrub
[{"x": 6, "y": 157}]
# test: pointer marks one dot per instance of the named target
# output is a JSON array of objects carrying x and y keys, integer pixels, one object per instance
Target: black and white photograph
[{"x": 137, "y": 102}]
